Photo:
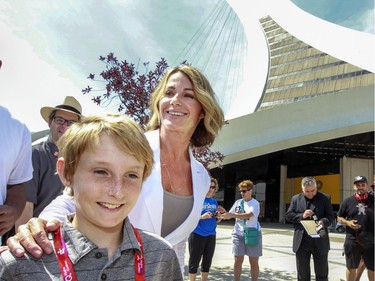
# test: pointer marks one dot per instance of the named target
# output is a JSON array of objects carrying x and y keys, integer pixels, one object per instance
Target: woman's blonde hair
[
  {"x": 209, "y": 126},
  {"x": 124, "y": 132}
]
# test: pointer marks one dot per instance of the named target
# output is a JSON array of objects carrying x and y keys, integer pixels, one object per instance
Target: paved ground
[{"x": 278, "y": 260}]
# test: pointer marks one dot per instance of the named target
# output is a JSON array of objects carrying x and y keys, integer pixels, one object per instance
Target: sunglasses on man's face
[{"x": 244, "y": 190}]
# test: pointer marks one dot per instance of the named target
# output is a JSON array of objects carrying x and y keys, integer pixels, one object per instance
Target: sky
[{"x": 48, "y": 48}]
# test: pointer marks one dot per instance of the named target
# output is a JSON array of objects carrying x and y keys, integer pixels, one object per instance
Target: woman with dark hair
[{"x": 202, "y": 240}]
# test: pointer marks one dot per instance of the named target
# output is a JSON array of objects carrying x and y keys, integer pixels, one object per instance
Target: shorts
[
  {"x": 354, "y": 251},
  {"x": 240, "y": 249}
]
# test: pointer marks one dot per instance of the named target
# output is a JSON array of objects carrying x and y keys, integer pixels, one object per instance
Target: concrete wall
[{"x": 317, "y": 119}]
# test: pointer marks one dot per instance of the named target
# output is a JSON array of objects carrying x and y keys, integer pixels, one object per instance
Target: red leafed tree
[{"x": 131, "y": 92}]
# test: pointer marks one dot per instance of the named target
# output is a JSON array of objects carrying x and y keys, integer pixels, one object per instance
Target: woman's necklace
[
  {"x": 164, "y": 165},
  {"x": 171, "y": 184}
]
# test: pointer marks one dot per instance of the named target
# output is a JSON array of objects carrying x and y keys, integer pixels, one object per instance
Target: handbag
[{"x": 250, "y": 234}]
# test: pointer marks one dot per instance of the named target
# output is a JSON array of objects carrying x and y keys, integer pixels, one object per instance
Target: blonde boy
[{"x": 104, "y": 160}]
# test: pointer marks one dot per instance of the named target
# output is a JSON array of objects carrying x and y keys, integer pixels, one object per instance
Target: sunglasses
[
  {"x": 244, "y": 191},
  {"x": 212, "y": 186}
]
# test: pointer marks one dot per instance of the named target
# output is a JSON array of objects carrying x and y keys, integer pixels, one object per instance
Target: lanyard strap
[
  {"x": 139, "y": 260},
  {"x": 243, "y": 209},
  {"x": 66, "y": 266}
]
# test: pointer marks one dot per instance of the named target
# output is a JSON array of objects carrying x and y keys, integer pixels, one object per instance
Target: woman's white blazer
[{"x": 148, "y": 212}]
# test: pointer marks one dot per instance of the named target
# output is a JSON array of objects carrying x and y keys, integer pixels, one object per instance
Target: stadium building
[
  {"x": 314, "y": 117},
  {"x": 310, "y": 114}
]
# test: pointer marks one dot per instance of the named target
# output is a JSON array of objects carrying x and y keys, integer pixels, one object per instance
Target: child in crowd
[{"x": 104, "y": 160}]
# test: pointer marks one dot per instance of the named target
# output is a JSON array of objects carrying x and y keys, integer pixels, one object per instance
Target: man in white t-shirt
[{"x": 15, "y": 170}]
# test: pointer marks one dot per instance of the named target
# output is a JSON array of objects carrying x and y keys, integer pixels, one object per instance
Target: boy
[{"x": 104, "y": 160}]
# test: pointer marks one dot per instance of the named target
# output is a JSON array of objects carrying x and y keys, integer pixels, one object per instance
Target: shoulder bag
[{"x": 250, "y": 234}]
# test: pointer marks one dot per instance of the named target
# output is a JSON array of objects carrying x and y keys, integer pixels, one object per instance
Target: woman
[
  {"x": 245, "y": 211},
  {"x": 185, "y": 114},
  {"x": 202, "y": 240}
]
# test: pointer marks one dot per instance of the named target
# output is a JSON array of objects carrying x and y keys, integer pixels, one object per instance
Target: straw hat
[{"x": 70, "y": 104}]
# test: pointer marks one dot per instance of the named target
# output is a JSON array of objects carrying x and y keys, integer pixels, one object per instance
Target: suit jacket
[{"x": 321, "y": 205}]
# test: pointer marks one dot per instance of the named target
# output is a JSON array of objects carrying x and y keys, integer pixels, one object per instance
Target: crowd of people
[
  {"x": 127, "y": 203},
  {"x": 184, "y": 114}
]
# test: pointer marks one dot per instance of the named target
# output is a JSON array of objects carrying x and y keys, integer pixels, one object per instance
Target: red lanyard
[
  {"x": 66, "y": 266},
  {"x": 139, "y": 261},
  {"x": 63, "y": 259}
]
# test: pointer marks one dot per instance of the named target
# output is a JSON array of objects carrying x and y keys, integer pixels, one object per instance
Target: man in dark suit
[{"x": 311, "y": 205}]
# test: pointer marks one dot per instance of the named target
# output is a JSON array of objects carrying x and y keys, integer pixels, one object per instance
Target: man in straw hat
[{"x": 46, "y": 185}]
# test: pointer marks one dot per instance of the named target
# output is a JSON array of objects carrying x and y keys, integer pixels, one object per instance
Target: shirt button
[
  {"x": 104, "y": 276},
  {"x": 98, "y": 255}
]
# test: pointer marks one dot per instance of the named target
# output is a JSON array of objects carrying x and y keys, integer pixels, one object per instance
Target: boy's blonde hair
[{"x": 124, "y": 132}]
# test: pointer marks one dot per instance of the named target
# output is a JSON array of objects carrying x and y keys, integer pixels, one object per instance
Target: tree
[{"x": 132, "y": 91}]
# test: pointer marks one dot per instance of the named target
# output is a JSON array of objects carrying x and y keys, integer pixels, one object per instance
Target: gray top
[
  {"x": 176, "y": 209},
  {"x": 45, "y": 184},
  {"x": 92, "y": 263}
]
